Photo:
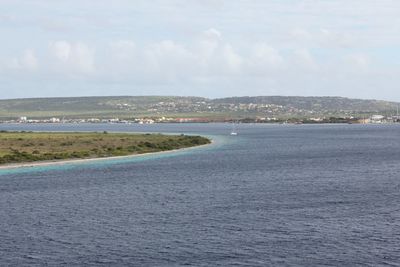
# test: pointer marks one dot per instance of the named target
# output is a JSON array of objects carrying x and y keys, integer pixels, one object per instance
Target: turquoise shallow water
[
  {"x": 217, "y": 141},
  {"x": 300, "y": 195}
]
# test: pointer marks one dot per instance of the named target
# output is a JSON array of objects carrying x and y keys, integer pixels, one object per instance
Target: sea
[{"x": 274, "y": 195}]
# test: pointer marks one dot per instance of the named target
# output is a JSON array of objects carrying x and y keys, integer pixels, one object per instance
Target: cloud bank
[{"x": 207, "y": 48}]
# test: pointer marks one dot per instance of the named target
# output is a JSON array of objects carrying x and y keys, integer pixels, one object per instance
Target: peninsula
[{"x": 24, "y": 147}]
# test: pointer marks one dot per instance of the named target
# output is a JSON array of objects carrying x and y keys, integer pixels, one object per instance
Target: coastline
[{"x": 72, "y": 161}]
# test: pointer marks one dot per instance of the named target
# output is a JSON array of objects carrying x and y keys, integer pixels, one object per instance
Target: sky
[{"x": 209, "y": 48}]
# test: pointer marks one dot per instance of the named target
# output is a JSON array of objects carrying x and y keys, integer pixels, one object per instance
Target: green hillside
[{"x": 173, "y": 106}]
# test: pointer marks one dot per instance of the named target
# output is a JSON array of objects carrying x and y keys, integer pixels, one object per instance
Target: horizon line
[{"x": 194, "y": 96}]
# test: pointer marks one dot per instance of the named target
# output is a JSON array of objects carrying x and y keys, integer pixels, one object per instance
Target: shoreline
[{"x": 71, "y": 161}]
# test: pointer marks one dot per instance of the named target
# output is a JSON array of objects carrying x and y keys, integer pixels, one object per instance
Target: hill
[{"x": 174, "y": 106}]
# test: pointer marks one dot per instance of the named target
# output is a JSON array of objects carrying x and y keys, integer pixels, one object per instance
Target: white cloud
[
  {"x": 231, "y": 59},
  {"x": 207, "y": 44},
  {"x": 208, "y": 57},
  {"x": 283, "y": 45},
  {"x": 168, "y": 59},
  {"x": 322, "y": 38},
  {"x": 28, "y": 61},
  {"x": 264, "y": 58},
  {"x": 61, "y": 50},
  {"x": 212, "y": 35},
  {"x": 73, "y": 57},
  {"x": 123, "y": 49},
  {"x": 124, "y": 60},
  {"x": 335, "y": 39},
  {"x": 357, "y": 62},
  {"x": 302, "y": 58}
]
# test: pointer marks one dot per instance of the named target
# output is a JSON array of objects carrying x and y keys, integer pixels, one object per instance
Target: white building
[
  {"x": 54, "y": 120},
  {"x": 377, "y": 118},
  {"x": 23, "y": 119}
]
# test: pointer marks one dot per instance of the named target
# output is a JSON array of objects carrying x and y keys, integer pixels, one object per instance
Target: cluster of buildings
[
  {"x": 187, "y": 106},
  {"x": 376, "y": 119},
  {"x": 26, "y": 120},
  {"x": 113, "y": 120},
  {"x": 90, "y": 120},
  {"x": 383, "y": 119}
]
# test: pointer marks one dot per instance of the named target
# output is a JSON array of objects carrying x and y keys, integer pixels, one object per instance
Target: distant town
[
  {"x": 374, "y": 119},
  {"x": 177, "y": 109}
]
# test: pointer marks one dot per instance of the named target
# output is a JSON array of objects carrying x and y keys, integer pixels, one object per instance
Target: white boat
[{"x": 233, "y": 132}]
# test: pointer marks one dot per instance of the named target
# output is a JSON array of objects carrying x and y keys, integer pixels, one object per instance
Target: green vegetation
[
  {"x": 125, "y": 107},
  {"x": 17, "y": 147}
]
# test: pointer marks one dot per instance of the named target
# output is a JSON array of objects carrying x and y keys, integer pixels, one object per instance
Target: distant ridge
[{"x": 178, "y": 106}]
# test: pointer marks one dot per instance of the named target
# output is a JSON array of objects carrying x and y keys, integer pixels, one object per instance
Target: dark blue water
[{"x": 273, "y": 195}]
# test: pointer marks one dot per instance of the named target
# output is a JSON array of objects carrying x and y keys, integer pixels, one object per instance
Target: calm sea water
[{"x": 300, "y": 195}]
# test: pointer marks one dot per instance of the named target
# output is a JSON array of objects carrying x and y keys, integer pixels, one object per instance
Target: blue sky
[{"x": 210, "y": 48}]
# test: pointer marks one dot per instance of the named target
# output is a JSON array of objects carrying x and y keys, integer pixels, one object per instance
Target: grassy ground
[{"x": 18, "y": 147}]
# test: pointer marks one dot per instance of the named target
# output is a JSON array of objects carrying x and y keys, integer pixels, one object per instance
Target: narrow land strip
[{"x": 26, "y": 149}]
